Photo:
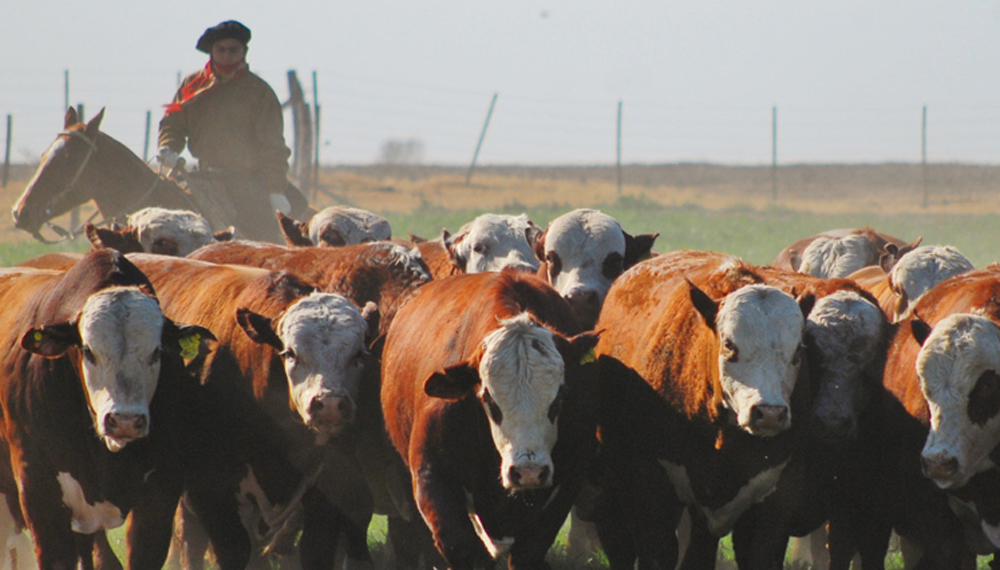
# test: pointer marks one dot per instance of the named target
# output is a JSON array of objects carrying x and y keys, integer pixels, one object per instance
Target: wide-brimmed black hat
[{"x": 225, "y": 30}]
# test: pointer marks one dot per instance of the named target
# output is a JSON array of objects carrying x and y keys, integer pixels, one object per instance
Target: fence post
[
  {"x": 618, "y": 148},
  {"x": 774, "y": 154},
  {"x": 923, "y": 153},
  {"x": 479, "y": 145},
  {"x": 316, "y": 125},
  {"x": 66, "y": 89},
  {"x": 6, "y": 153},
  {"x": 145, "y": 144}
]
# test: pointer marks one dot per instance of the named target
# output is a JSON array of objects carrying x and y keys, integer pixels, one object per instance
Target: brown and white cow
[
  {"x": 158, "y": 230},
  {"x": 582, "y": 252},
  {"x": 496, "y": 420},
  {"x": 837, "y": 253},
  {"x": 723, "y": 351},
  {"x": 283, "y": 349},
  {"x": 336, "y": 226},
  {"x": 100, "y": 417},
  {"x": 488, "y": 243}
]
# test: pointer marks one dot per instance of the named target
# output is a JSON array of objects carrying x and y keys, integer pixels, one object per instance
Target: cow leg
[
  {"x": 321, "y": 527},
  {"x": 218, "y": 512},
  {"x": 442, "y": 505},
  {"x": 190, "y": 542},
  {"x": 756, "y": 543},
  {"x": 410, "y": 539},
  {"x": 703, "y": 548},
  {"x": 531, "y": 544},
  {"x": 46, "y": 517},
  {"x": 150, "y": 526},
  {"x": 104, "y": 556}
]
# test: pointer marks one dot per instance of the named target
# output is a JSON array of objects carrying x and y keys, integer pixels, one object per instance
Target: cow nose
[
  {"x": 125, "y": 426},
  {"x": 939, "y": 466},
  {"x": 331, "y": 411},
  {"x": 832, "y": 430},
  {"x": 769, "y": 419},
  {"x": 529, "y": 476}
]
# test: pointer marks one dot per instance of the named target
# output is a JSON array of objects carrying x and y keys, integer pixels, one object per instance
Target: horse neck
[{"x": 119, "y": 179}]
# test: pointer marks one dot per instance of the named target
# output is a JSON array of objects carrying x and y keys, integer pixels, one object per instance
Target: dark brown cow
[
  {"x": 882, "y": 250},
  {"x": 721, "y": 351},
  {"x": 87, "y": 352},
  {"x": 496, "y": 419},
  {"x": 295, "y": 362},
  {"x": 383, "y": 273}
]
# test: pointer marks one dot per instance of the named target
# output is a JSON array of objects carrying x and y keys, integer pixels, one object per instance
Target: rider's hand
[{"x": 167, "y": 157}]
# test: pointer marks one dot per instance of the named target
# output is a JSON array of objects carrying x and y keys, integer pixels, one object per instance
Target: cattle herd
[{"x": 264, "y": 402}]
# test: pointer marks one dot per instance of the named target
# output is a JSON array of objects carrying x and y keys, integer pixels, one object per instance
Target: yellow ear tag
[
  {"x": 38, "y": 336},
  {"x": 189, "y": 346},
  {"x": 588, "y": 358}
]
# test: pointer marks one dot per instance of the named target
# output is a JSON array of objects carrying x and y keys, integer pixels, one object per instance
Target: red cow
[
  {"x": 282, "y": 345},
  {"x": 721, "y": 351},
  {"x": 837, "y": 253},
  {"x": 497, "y": 365},
  {"x": 100, "y": 418}
]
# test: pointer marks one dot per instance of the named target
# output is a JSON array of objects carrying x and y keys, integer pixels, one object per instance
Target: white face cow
[
  {"x": 321, "y": 338},
  {"x": 959, "y": 370},
  {"x": 585, "y": 252},
  {"x": 845, "y": 335},
  {"x": 170, "y": 232},
  {"x": 342, "y": 225},
  {"x": 759, "y": 328},
  {"x": 492, "y": 242},
  {"x": 919, "y": 270},
  {"x": 828, "y": 257}
]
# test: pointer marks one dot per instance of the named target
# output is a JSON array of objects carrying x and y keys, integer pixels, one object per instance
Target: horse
[{"x": 86, "y": 164}]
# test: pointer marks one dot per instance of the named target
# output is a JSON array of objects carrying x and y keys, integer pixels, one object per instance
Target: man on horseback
[{"x": 231, "y": 121}]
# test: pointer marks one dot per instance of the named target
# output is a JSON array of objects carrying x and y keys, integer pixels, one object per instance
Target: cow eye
[
  {"x": 491, "y": 406},
  {"x": 730, "y": 352},
  {"x": 555, "y": 264},
  {"x": 556, "y": 407},
  {"x": 89, "y": 355},
  {"x": 797, "y": 357},
  {"x": 288, "y": 354},
  {"x": 984, "y": 399},
  {"x": 479, "y": 248},
  {"x": 155, "y": 357},
  {"x": 613, "y": 264},
  {"x": 358, "y": 361}
]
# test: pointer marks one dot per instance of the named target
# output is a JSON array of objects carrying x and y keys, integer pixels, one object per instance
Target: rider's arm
[{"x": 173, "y": 126}]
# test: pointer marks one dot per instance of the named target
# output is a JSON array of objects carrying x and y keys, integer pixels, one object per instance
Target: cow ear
[
  {"x": 415, "y": 239},
  {"x": 889, "y": 258},
  {"x": 94, "y": 125},
  {"x": 51, "y": 341},
  {"x": 331, "y": 238},
  {"x": 453, "y": 382},
  {"x": 258, "y": 328},
  {"x": 580, "y": 348},
  {"x": 533, "y": 233},
  {"x": 125, "y": 241},
  {"x": 188, "y": 341},
  {"x": 539, "y": 246},
  {"x": 806, "y": 303},
  {"x": 704, "y": 304},
  {"x": 638, "y": 248},
  {"x": 920, "y": 329},
  {"x": 228, "y": 234},
  {"x": 451, "y": 245},
  {"x": 296, "y": 233},
  {"x": 372, "y": 317},
  {"x": 71, "y": 118}
]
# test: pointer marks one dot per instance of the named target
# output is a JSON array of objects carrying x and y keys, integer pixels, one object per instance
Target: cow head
[
  {"x": 492, "y": 242},
  {"x": 759, "y": 330},
  {"x": 919, "y": 270},
  {"x": 585, "y": 251},
  {"x": 158, "y": 230},
  {"x": 121, "y": 333},
  {"x": 830, "y": 257},
  {"x": 520, "y": 380},
  {"x": 321, "y": 338},
  {"x": 846, "y": 337},
  {"x": 959, "y": 370}
]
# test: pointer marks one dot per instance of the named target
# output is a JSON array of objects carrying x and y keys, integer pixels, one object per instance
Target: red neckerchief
[{"x": 204, "y": 81}]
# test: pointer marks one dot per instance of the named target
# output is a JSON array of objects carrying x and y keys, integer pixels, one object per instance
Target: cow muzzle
[
  {"x": 331, "y": 414},
  {"x": 527, "y": 475},
  {"x": 942, "y": 467},
  {"x": 769, "y": 420},
  {"x": 121, "y": 428},
  {"x": 586, "y": 306}
]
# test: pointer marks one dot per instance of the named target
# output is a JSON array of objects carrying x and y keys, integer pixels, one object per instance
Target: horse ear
[
  {"x": 71, "y": 118},
  {"x": 94, "y": 125}
]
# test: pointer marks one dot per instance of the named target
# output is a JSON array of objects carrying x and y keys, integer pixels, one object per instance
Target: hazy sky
[{"x": 698, "y": 80}]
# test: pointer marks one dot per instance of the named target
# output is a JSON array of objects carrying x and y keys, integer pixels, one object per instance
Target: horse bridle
[{"x": 65, "y": 234}]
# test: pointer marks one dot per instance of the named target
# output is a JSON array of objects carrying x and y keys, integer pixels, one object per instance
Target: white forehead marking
[
  {"x": 919, "y": 270},
  {"x": 838, "y": 257},
  {"x": 119, "y": 323},
  {"x": 87, "y": 518},
  {"x": 323, "y": 319},
  {"x": 521, "y": 365},
  {"x": 354, "y": 225},
  {"x": 505, "y": 241},
  {"x": 188, "y": 229},
  {"x": 583, "y": 239}
]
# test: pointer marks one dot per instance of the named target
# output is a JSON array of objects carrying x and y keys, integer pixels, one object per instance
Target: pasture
[{"x": 726, "y": 209}]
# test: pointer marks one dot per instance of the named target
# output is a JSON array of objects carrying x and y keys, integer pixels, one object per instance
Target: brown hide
[
  {"x": 362, "y": 273},
  {"x": 438, "y": 259}
]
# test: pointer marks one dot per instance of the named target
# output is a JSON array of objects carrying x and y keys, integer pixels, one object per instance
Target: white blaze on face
[
  {"x": 522, "y": 373},
  {"x": 845, "y": 332},
  {"x": 120, "y": 329},
  {"x": 959, "y": 370},
  {"x": 760, "y": 335},
  {"x": 492, "y": 242},
  {"x": 324, "y": 340},
  {"x": 919, "y": 270},
  {"x": 584, "y": 250},
  {"x": 838, "y": 257},
  {"x": 185, "y": 230},
  {"x": 354, "y": 225}
]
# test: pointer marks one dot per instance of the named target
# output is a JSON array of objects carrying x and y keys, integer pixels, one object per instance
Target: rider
[{"x": 231, "y": 121}]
